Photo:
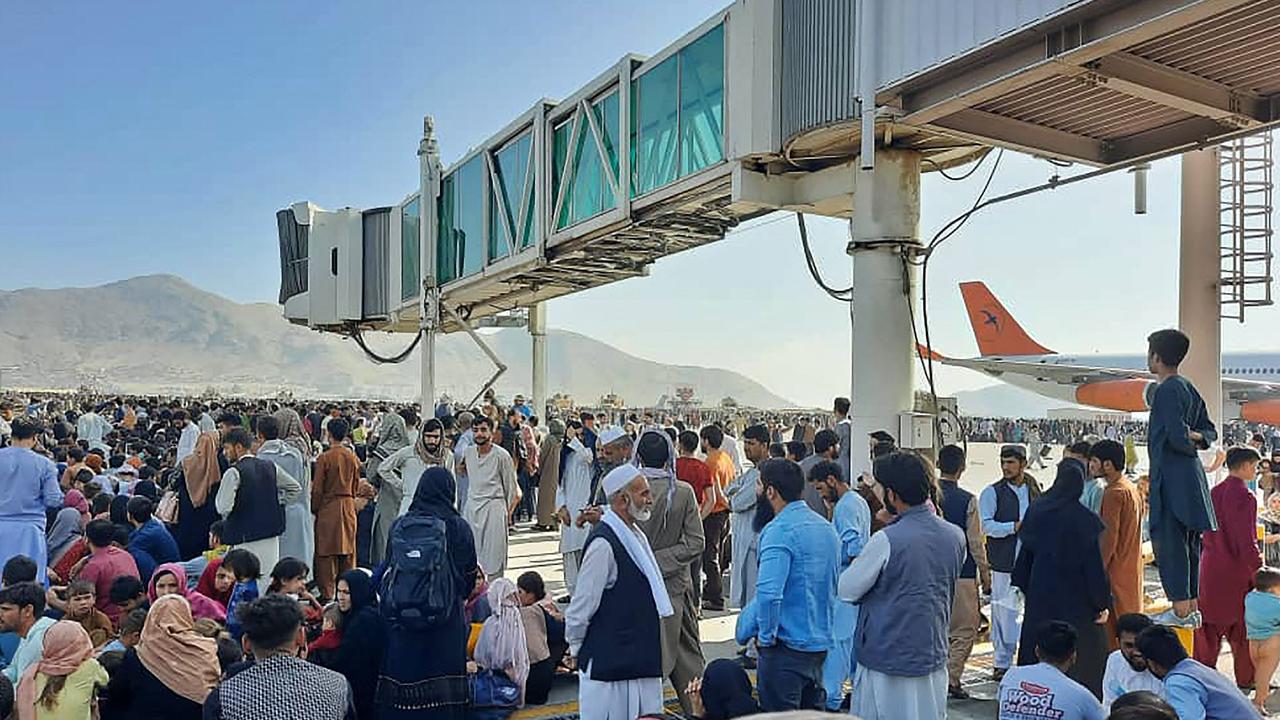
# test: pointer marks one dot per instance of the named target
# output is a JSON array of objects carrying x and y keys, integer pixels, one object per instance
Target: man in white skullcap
[{"x": 614, "y": 623}]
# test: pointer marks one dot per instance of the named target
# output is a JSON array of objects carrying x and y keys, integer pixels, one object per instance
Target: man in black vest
[
  {"x": 614, "y": 623},
  {"x": 251, "y": 500},
  {"x": 1002, "y": 505},
  {"x": 960, "y": 508}
]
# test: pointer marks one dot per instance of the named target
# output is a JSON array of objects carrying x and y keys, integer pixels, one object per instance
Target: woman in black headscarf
[
  {"x": 1059, "y": 569},
  {"x": 363, "y": 638},
  {"x": 726, "y": 692},
  {"x": 417, "y": 684}
]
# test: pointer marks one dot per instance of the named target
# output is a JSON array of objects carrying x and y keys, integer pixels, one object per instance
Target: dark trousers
[
  {"x": 529, "y": 496},
  {"x": 789, "y": 679},
  {"x": 1177, "y": 550},
  {"x": 1208, "y": 643},
  {"x": 714, "y": 527}
]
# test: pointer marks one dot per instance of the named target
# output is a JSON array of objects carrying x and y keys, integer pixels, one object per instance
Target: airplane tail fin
[{"x": 994, "y": 328}]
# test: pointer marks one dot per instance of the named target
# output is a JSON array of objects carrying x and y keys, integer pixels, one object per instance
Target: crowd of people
[{"x": 239, "y": 559}]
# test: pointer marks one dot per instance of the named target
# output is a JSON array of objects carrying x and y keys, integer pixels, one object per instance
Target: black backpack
[{"x": 419, "y": 588}]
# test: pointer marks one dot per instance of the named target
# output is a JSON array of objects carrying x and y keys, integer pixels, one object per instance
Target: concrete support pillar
[
  {"x": 538, "y": 332},
  {"x": 886, "y": 220},
  {"x": 1199, "y": 276},
  {"x": 428, "y": 229}
]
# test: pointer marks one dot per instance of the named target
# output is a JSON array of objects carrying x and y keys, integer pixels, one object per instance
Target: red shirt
[
  {"x": 696, "y": 473},
  {"x": 1229, "y": 556},
  {"x": 102, "y": 570}
]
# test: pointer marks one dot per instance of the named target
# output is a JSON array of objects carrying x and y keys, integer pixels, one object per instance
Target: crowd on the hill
[{"x": 254, "y": 558}]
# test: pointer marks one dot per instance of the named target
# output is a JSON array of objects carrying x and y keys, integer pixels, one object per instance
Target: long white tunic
[
  {"x": 403, "y": 469},
  {"x": 492, "y": 488},
  {"x": 745, "y": 540},
  {"x": 598, "y": 699},
  {"x": 574, "y": 493},
  {"x": 298, "y": 540}
]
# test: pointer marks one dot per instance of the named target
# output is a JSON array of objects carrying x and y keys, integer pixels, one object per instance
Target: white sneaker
[{"x": 1170, "y": 618}]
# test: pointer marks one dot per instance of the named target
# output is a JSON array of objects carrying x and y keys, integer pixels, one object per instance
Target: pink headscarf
[
  {"x": 75, "y": 499},
  {"x": 66, "y": 648},
  {"x": 201, "y": 606}
]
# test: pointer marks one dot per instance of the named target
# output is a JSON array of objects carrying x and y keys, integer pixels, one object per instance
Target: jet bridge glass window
[
  {"x": 677, "y": 115},
  {"x": 514, "y": 178},
  {"x": 410, "y": 255},
  {"x": 462, "y": 243},
  {"x": 590, "y": 177}
]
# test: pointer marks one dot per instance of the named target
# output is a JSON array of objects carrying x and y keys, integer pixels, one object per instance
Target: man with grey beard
[{"x": 620, "y": 602}]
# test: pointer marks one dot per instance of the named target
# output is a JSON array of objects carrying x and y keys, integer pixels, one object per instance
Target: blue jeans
[{"x": 789, "y": 679}]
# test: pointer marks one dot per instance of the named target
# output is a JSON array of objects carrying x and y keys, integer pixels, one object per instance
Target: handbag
[
  {"x": 167, "y": 510},
  {"x": 494, "y": 691}
]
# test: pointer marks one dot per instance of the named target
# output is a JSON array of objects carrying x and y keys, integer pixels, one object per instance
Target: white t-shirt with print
[{"x": 1043, "y": 692}]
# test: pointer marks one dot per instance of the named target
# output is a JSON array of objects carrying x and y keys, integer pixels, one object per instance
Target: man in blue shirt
[
  {"x": 28, "y": 487},
  {"x": 150, "y": 543},
  {"x": 791, "y": 616},
  {"x": 1181, "y": 508},
  {"x": 1196, "y": 691},
  {"x": 851, "y": 517}
]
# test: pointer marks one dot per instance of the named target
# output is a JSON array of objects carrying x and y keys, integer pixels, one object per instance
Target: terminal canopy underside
[{"x": 756, "y": 110}]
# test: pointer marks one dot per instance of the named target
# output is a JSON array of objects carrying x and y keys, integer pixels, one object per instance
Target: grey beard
[{"x": 640, "y": 514}]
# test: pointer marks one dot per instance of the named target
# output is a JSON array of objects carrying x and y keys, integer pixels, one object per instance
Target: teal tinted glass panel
[
  {"x": 702, "y": 102},
  {"x": 606, "y": 116},
  {"x": 410, "y": 246},
  {"x": 655, "y": 127},
  {"x": 446, "y": 241},
  {"x": 469, "y": 215},
  {"x": 559, "y": 158},
  {"x": 511, "y": 164}
]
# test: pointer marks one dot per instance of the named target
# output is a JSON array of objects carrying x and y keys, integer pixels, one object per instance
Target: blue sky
[{"x": 162, "y": 137}]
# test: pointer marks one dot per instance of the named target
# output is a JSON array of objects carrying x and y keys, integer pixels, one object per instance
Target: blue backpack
[{"x": 418, "y": 588}]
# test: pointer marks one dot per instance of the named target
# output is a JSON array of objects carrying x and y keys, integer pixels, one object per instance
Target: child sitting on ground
[
  {"x": 82, "y": 597},
  {"x": 247, "y": 569},
  {"x": 1262, "y": 623},
  {"x": 330, "y": 636},
  {"x": 130, "y": 633}
]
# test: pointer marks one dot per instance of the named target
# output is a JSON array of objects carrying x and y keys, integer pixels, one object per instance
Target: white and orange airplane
[{"x": 1250, "y": 381}]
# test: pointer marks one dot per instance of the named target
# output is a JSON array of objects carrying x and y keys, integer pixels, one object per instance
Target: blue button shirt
[{"x": 796, "y": 585}]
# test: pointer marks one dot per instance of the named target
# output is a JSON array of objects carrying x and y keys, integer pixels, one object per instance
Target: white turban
[
  {"x": 619, "y": 478},
  {"x": 610, "y": 435}
]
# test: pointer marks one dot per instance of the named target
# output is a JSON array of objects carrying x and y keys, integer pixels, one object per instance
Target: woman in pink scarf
[
  {"x": 66, "y": 679},
  {"x": 502, "y": 646},
  {"x": 171, "y": 579}
]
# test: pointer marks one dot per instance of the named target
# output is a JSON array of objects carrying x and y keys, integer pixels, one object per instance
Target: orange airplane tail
[{"x": 994, "y": 328}]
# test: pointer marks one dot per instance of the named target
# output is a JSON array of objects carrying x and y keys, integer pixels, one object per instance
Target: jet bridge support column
[
  {"x": 1199, "y": 275},
  {"x": 428, "y": 227},
  {"x": 538, "y": 333},
  {"x": 885, "y": 224}
]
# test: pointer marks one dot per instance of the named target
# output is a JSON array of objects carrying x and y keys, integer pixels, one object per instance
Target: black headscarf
[
  {"x": 362, "y": 594},
  {"x": 119, "y": 512},
  {"x": 1056, "y": 520},
  {"x": 363, "y": 641},
  {"x": 726, "y": 691},
  {"x": 436, "y": 494}
]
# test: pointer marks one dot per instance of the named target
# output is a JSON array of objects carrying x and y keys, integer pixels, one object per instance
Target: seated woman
[
  {"x": 64, "y": 683},
  {"x": 171, "y": 579},
  {"x": 502, "y": 646},
  {"x": 723, "y": 692},
  {"x": 544, "y": 634},
  {"x": 171, "y": 671}
]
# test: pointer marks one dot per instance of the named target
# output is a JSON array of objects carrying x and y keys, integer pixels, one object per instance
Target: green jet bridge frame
[{"x": 831, "y": 107}]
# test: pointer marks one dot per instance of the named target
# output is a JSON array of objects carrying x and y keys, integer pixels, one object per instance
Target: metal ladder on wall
[{"x": 1245, "y": 207}]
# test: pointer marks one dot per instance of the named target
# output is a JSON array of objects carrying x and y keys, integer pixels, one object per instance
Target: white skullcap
[
  {"x": 619, "y": 478},
  {"x": 611, "y": 434}
]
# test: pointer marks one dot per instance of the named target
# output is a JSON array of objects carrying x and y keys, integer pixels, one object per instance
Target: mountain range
[{"x": 160, "y": 334}]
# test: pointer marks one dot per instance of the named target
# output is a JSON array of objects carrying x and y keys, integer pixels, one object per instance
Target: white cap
[
  {"x": 619, "y": 478},
  {"x": 611, "y": 434}
]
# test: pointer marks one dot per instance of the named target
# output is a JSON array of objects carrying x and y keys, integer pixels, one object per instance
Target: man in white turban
[{"x": 619, "y": 604}]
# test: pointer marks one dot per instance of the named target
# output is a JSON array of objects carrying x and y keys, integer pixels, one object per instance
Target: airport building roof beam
[
  {"x": 1142, "y": 78},
  {"x": 1028, "y": 58}
]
